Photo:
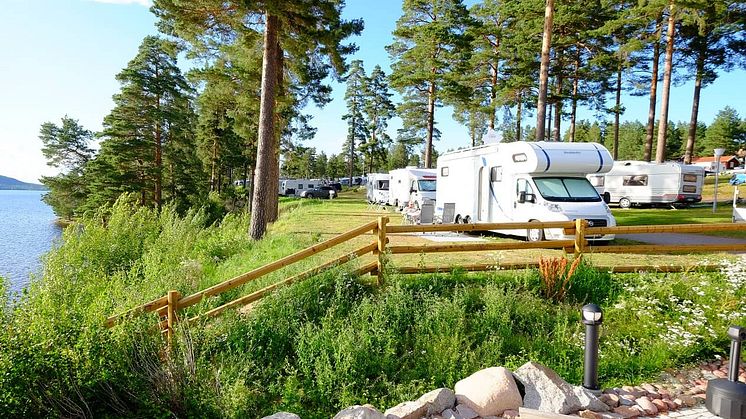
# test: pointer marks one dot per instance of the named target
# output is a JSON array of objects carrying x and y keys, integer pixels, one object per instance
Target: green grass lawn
[{"x": 698, "y": 214}]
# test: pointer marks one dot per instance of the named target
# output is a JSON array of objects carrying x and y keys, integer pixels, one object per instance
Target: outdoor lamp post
[
  {"x": 718, "y": 153},
  {"x": 592, "y": 318}
]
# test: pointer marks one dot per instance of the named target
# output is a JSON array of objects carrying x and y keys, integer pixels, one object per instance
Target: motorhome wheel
[
  {"x": 625, "y": 203},
  {"x": 535, "y": 234}
]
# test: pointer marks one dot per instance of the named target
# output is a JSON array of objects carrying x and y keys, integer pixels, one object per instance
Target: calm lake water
[{"x": 27, "y": 231}]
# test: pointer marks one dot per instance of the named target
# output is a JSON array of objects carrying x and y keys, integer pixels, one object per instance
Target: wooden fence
[{"x": 169, "y": 306}]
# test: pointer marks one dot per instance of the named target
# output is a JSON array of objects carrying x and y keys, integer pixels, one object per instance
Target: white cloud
[{"x": 146, "y": 3}]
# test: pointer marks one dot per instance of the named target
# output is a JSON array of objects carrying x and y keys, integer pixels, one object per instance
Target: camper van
[
  {"x": 293, "y": 187},
  {"x": 411, "y": 186},
  {"x": 525, "y": 182},
  {"x": 642, "y": 183},
  {"x": 377, "y": 188}
]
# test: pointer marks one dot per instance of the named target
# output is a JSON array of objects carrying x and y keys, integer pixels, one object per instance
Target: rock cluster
[{"x": 497, "y": 392}]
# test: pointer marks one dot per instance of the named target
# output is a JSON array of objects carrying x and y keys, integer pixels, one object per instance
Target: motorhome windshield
[
  {"x": 566, "y": 189},
  {"x": 426, "y": 185}
]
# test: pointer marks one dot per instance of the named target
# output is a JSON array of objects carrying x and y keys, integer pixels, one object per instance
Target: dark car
[
  {"x": 322, "y": 192},
  {"x": 336, "y": 185}
]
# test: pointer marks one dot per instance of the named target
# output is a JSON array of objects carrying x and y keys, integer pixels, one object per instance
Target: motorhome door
[{"x": 524, "y": 200}]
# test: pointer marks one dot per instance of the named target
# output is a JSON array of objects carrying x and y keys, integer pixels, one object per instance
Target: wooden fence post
[
  {"x": 173, "y": 306},
  {"x": 579, "y": 236},
  {"x": 381, "y": 249}
]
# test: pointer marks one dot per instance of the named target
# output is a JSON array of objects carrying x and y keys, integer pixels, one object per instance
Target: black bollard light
[
  {"x": 727, "y": 397},
  {"x": 592, "y": 318}
]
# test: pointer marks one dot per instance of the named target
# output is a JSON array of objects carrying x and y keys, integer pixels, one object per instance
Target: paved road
[{"x": 680, "y": 238}]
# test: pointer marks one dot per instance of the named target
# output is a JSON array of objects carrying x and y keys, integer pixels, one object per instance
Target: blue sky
[{"x": 59, "y": 57}]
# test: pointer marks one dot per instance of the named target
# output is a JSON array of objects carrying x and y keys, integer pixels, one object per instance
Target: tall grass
[{"x": 323, "y": 344}]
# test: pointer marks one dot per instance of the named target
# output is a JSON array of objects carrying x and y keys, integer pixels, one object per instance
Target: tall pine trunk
[
  {"x": 647, "y": 153},
  {"x": 351, "y": 166},
  {"x": 495, "y": 67},
  {"x": 265, "y": 147},
  {"x": 273, "y": 210},
  {"x": 575, "y": 81},
  {"x": 430, "y": 124},
  {"x": 691, "y": 137},
  {"x": 546, "y": 42},
  {"x": 558, "y": 109},
  {"x": 157, "y": 193},
  {"x": 660, "y": 152},
  {"x": 518, "y": 115},
  {"x": 617, "y": 109},
  {"x": 214, "y": 165}
]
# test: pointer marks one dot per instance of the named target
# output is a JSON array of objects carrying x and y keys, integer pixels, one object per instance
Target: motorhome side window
[
  {"x": 523, "y": 186},
  {"x": 444, "y": 171},
  {"x": 496, "y": 174},
  {"x": 636, "y": 180},
  {"x": 690, "y": 178},
  {"x": 300, "y": 186},
  {"x": 597, "y": 180}
]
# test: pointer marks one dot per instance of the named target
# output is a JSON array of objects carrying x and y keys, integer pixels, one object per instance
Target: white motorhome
[
  {"x": 293, "y": 187},
  {"x": 377, "y": 188},
  {"x": 411, "y": 185},
  {"x": 637, "y": 182},
  {"x": 525, "y": 182}
]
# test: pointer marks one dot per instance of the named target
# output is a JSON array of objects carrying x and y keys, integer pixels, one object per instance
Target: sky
[{"x": 60, "y": 57}]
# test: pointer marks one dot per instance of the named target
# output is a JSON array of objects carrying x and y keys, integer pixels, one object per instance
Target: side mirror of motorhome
[
  {"x": 524, "y": 197},
  {"x": 606, "y": 197}
]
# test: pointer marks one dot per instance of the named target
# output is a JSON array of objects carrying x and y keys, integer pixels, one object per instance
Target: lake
[{"x": 27, "y": 231}]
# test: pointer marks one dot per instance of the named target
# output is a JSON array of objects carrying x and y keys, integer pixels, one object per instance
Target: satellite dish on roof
[{"x": 492, "y": 137}]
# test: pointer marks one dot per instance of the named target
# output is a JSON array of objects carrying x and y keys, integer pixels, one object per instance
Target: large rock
[
  {"x": 546, "y": 390},
  {"x": 489, "y": 392},
  {"x": 282, "y": 415},
  {"x": 589, "y": 400},
  {"x": 407, "y": 410},
  {"x": 438, "y": 400},
  {"x": 359, "y": 412}
]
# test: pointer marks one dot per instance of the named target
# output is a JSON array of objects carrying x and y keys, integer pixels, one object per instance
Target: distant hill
[{"x": 10, "y": 183}]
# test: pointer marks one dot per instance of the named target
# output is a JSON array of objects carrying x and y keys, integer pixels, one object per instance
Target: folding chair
[
  {"x": 449, "y": 211},
  {"x": 427, "y": 213}
]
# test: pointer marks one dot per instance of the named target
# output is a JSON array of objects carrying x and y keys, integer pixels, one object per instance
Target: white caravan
[
  {"x": 293, "y": 187},
  {"x": 525, "y": 182},
  {"x": 377, "y": 188},
  {"x": 411, "y": 185},
  {"x": 638, "y": 182}
]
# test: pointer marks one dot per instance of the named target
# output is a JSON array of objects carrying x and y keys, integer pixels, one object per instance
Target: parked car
[
  {"x": 322, "y": 192},
  {"x": 336, "y": 185}
]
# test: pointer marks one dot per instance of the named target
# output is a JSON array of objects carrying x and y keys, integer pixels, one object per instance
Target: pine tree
[
  {"x": 357, "y": 129},
  {"x": 713, "y": 39},
  {"x": 379, "y": 109},
  {"x": 66, "y": 147},
  {"x": 430, "y": 43},
  {"x": 303, "y": 37},
  {"x": 726, "y": 131},
  {"x": 152, "y": 115}
]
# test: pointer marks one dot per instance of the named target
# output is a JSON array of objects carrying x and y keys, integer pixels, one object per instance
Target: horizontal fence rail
[{"x": 168, "y": 306}]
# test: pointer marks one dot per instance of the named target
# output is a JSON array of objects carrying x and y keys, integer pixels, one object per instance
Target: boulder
[
  {"x": 589, "y": 401},
  {"x": 546, "y": 390},
  {"x": 465, "y": 412},
  {"x": 282, "y": 415},
  {"x": 407, "y": 410},
  {"x": 359, "y": 412},
  {"x": 438, "y": 400},
  {"x": 489, "y": 392},
  {"x": 647, "y": 406},
  {"x": 589, "y": 414},
  {"x": 611, "y": 399},
  {"x": 627, "y": 412},
  {"x": 510, "y": 414},
  {"x": 448, "y": 414}
]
